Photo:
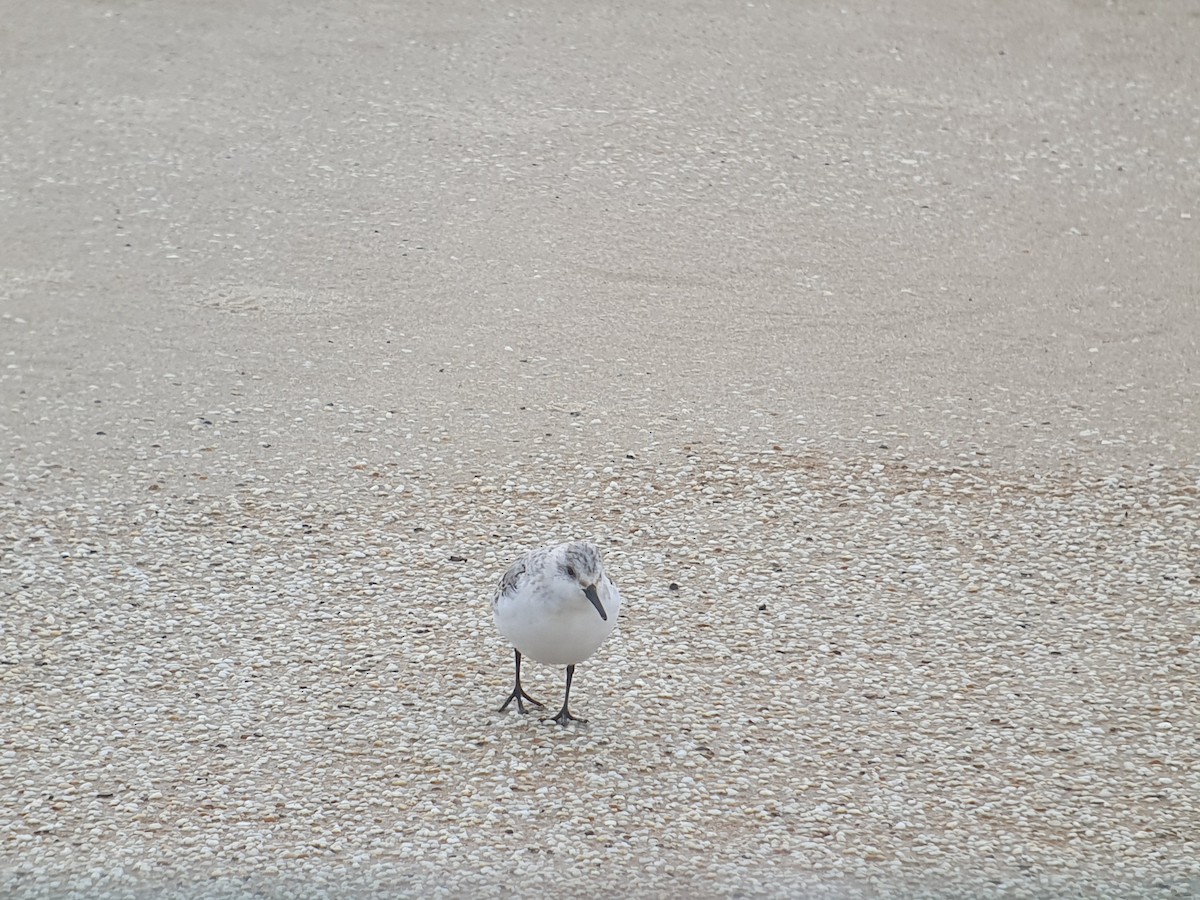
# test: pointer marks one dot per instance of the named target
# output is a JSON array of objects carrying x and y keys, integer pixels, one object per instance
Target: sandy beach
[{"x": 862, "y": 339}]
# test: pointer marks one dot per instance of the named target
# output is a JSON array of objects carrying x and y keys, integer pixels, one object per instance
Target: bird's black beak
[{"x": 590, "y": 590}]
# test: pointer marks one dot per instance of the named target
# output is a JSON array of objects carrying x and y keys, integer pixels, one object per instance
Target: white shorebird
[{"x": 555, "y": 605}]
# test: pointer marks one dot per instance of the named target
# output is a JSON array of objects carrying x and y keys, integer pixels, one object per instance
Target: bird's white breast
[{"x": 554, "y": 627}]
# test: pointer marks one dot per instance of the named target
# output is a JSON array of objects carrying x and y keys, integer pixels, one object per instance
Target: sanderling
[{"x": 555, "y": 605}]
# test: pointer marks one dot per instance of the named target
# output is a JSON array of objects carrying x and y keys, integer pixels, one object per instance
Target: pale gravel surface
[
  {"x": 863, "y": 340},
  {"x": 868, "y": 670}
]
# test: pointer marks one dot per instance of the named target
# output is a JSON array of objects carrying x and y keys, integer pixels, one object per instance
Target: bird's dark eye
[{"x": 571, "y": 573}]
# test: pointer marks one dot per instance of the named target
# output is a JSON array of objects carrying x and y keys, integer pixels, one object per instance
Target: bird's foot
[
  {"x": 519, "y": 695},
  {"x": 564, "y": 716}
]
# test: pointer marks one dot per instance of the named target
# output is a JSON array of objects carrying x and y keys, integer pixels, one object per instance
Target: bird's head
[{"x": 580, "y": 564}]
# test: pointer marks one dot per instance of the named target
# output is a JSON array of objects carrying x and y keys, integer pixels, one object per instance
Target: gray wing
[{"x": 511, "y": 579}]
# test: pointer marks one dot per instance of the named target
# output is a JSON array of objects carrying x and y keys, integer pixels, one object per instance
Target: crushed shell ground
[{"x": 832, "y": 677}]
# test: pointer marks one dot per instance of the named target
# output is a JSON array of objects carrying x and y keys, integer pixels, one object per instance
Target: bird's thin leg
[
  {"x": 518, "y": 693},
  {"x": 564, "y": 715}
]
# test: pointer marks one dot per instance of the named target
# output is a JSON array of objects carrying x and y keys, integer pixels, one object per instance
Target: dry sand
[{"x": 863, "y": 337}]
